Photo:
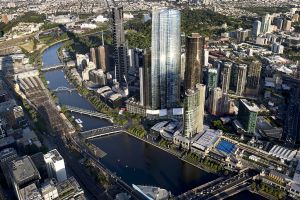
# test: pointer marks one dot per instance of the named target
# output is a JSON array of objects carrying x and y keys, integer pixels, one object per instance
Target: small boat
[
  {"x": 80, "y": 125},
  {"x": 79, "y": 121}
]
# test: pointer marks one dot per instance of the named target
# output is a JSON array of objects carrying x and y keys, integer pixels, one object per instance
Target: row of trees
[{"x": 269, "y": 189}]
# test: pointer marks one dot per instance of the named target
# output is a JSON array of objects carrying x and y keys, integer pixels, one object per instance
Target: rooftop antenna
[{"x": 102, "y": 38}]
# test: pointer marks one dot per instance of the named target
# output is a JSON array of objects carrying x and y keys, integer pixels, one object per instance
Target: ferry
[
  {"x": 152, "y": 193},
  {"x": 78, "y": 121}
]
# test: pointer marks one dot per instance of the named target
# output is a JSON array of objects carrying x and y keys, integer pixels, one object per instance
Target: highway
[{"x": 212, "y": 191}]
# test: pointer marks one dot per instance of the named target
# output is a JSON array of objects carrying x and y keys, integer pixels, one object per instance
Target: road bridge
[
  {"x": 88, "y": 112},
  {"x": 100, "y": 132}
]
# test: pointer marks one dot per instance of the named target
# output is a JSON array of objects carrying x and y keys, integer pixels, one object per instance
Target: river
[{"x": 131, "y": 159}]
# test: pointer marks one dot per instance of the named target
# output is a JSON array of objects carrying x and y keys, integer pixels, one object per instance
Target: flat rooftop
[
  {"x": 251, "y": 106},
  {"x": 207, "y": 139},
  {"x": 54, "y": 155},
  {"x": 23, "y": 169}
]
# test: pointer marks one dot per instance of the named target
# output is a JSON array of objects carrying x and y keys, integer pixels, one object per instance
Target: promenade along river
[{"x": 131, "y": 159}]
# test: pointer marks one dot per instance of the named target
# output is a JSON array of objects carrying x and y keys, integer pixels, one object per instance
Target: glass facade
[{"x": 165, "y": 58}]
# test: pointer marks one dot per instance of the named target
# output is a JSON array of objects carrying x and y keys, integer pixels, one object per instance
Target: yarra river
[{"x": 135, "y": 161}]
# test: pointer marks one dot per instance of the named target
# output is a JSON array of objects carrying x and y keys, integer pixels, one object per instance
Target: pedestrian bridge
[
  {"x": 52, "y": 67},
  {"x": 63, "y": 89},
  {"x": 100, "y": 132},
  {"x": 88, "y": 112}
]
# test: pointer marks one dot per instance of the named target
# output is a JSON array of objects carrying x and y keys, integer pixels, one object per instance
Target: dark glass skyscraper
[
  {"x": 292, "y": 115},
  {"x": 194, "y": 60},
  {"x": 120, "y": 47}
]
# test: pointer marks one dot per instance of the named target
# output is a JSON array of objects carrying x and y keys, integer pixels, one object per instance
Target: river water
[{"x": 131, "y": 159}]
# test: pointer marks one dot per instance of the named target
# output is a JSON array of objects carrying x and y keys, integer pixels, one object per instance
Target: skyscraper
[
  {"x": 291, "y": 128},
  {"x": 145, "y": 80},
  {"x": 266, "y": 24},
  {"x": 247, "y": 115},
  {"x": 103, "y": 61},
  {"x": 165, "y": 58},
  {"x": 120, "y": 47},
  {"x": 253, "y": 77},
  {"x": 93, "y": 56},
  {"x": 215, "y": 101},
  {"x": 256, "y": 28},
  {"x": 212, "y": 79},
  {"x": 194, "y": 110},
  {"x": 225, "y": 76},
  {"x": 194, "y": 60},
  {"x": 238, "y": 78}
]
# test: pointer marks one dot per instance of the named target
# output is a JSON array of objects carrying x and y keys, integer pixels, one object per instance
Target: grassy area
[{"x": 29, "y": 46}]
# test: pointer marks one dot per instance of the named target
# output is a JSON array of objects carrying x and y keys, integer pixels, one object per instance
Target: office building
[
  {"x": 70, "y": 189},
  {"x": 277, "y": 48},
  {"x": 278, "y": 22},
  {"x": 145, "y": 80},
  {"x": 266, "y": 24},
  {"x": 225, "y": 76},
  {"x": 291, "y": 128},
  {"x": 30, "y": 192},
  {"x": 287, "y": 24},
  {"x": 98, "y": 77},
  {"x": 256, "y": 28},
  {"x": 165, "y": 58},
  {"x": 238, "y": 78},
  {"x": 7, "y": 155},
  {"x": 182, "y": 66},
  {"x": 194, "y": 110},
  {"x": 49, "y": 190},
  {"x": 247, "y": 115},
  {"x": 22, "y": 173},
  {"x": 55, "y": 165},
  {"x": 253, "y": 77},
  {"x": 212, "y": 79},
  {"x": 93, "y": 56},
  {"x": 242, "y": 35},
  {"x": 120, "y": 47},
  {"x": 215, "y": 101},
  {"x": 194, "y": 60},
  {"x": 103, "y": 60}
]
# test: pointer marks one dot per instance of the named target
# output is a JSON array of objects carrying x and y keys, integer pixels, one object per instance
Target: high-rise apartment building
[
  {"x": 165, "y": 58},
  {"x": 212, "y": 78},
  {"x": 120, "y": 47},
  {"x": 247, "y": 115},
  {"x": 256, "y": 27},
  {"x": 194, "y": 110},
  {"x": 266, "y": 24},
  {"x": 225, "y": 76},
  {"x": 238, "y": 78},
  {"x": 253, "y": 77},
  {"x": 145, "y": 80},
  {"x": 215, "y": 101},
  {"x": 194, "y": 60}
]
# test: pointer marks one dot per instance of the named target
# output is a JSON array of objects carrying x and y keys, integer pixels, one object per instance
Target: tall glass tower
[{"x": 165, "y": 58}]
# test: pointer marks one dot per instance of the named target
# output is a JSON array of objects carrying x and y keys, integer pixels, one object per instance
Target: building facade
[
  {"x": 238, "y": 78},
  {"x": 215, "y": 101},
  {"x": 120, "y": 47},
  {"x": 253, "y": 78},
  {"x": 165, "y": 58},
  {"x": 194, "y": 60},
  {"x": 194, "y": 110},
  {"x": 225, "y": 76},
  {"x": 247, "y": 115}
]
